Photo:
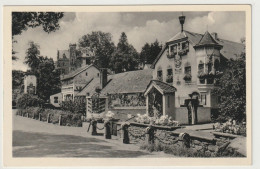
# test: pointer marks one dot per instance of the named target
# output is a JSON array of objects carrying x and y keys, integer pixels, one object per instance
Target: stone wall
[{"x": 208, "y": 146}]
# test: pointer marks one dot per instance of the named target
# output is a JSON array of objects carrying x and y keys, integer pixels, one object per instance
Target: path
[{"x": 32, "y": 138}]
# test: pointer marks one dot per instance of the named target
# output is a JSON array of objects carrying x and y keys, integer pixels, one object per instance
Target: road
[{"x": 32, "y": 138}]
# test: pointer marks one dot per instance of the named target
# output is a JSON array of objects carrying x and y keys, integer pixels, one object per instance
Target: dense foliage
[
  {"x": 68, "y": 119},
  {"x": 48, "y": 79},
  {"x": 102, "y": 45},
  {"x": 27, "y": 100},
  {"x": 78, "y": 106},
  {"x": 22, "y": 20},
  {"x": 149, "y": 52},
  {"x": 125, "y": 57},
  {"x": 17, "y": 79},
  {"x": 232, "y": 90}
]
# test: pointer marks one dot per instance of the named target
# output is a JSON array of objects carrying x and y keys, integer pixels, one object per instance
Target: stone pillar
[
  {"x": 93, "y": 127},
  {"x": 60, "y": 120},
  {"x": 164, "y": 104},
  {"x": 48, "y": 118},
  {"x": 149, "y": 136},
  {"x": 107, "y": 126},
  {"x": 40, "y": 117},
  {"x": 125, "y": 133},
  {"x": 185, "y": 138}
]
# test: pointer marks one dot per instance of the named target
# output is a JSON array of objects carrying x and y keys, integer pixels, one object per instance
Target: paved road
[{"x": 32, "y": 138}]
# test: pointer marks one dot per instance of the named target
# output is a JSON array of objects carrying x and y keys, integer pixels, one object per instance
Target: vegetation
[
  {"x": 102, "y": 45},
  {"x": 27, "y": 100},
  {"x": 23, "y": 20},
  {"x": 232, "y": 91},
  {"x": 48, "y": 79},
  {"x": 125, "y": 57},
  {"x": 149, "y": 52},
  {"x": 187, "y": 152},
  {"x": 17, "y": 79},
  {"x": 77, "y": 107}
]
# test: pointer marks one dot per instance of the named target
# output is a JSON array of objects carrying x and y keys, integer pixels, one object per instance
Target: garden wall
[{"x": 202, "y": 143}]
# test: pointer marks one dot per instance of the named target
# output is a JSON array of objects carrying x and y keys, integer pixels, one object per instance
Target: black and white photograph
[{"x": 130, "y": 84}]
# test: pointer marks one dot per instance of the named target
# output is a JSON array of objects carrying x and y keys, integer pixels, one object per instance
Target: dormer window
[{"x": 187, "y": 71}]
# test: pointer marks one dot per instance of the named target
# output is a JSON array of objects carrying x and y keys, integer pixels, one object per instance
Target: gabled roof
[
  {"x": 76, "y": 72},
  {"x": 207, "y": 40},
  {"x": 89, "y": 88},
  {"x": 163, "y": 88},
  {"x": 230, "y": 49},
  {"x": 128, "y": 82}
]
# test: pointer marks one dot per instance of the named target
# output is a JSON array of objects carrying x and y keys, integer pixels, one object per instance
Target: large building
[{"x": 74, "y": 58}]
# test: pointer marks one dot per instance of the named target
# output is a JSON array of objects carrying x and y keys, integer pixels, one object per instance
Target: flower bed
[
  {"x": 230, "y": 127},
  {"x": 160, "y": 121}
]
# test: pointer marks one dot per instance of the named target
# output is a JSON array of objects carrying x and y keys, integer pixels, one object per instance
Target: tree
[
  {"x": 125, "y": 57},
  {"x": 17, "y": 79},
  {"x": 23, "y": 20},
  {"x": 232, "y": 90},
  {"x": 32, "y": 58},
  {"x": 48, "y": 79},
  {"x": 101, "y": 43},
  {"x": 149, "y": 52}
]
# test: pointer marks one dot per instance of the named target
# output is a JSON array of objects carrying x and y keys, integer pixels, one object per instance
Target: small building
[
  {"x": 75, "y": 81},
  {"x": 30, "y": 83},
  {"x": 56, "y": 99}
]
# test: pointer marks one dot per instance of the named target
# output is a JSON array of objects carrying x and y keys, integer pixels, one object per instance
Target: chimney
[
  {"x": 103, "y": 77},
  {"x": 214, "y": 35}
]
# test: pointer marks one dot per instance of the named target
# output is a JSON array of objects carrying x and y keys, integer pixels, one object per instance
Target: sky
[{"x": 140, "y": 27}]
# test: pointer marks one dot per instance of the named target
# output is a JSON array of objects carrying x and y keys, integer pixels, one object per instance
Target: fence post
[
  {"x": 107, "y": 126},
  {"x": 125, "y": 133},
  {"x": 40, "y": 116},
  {"x": 48, "y": 118},
  {"x": 149, "y": 136},
  {"x": 60, "y": 122},
  {"x": 185, "y": 138},
  {"x": 27, "y": 115},
  {"x": 93, "y": 127}
]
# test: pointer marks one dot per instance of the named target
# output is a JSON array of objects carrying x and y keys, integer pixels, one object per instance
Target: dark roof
[
  {"x": 128, "y": 82},
  {"x": 165, "y": 88},
  {"x": 90, "y": 87},
  {"x": 230, "y": 49},
  {"x": 76, "y": 72},
  {"x": 207, "y": 39}
]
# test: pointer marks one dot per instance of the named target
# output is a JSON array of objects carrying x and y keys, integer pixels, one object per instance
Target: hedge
[{"x": 68, "y": 119}]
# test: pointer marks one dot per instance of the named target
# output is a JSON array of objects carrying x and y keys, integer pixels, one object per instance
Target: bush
[
  {"x": 78, "y": 106},
  {"x": 27, "y": 100}
]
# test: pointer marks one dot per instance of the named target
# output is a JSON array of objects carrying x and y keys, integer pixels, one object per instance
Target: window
[
  {"x": 56, "y": 100},
  {"x": 203, "y": 99},
  {"x": 86, "y": 73},
  {"x": 159, "y": 75},
  {"x": 173, "y": 49},
  {"x": 187, "y": 72},
  {"x": 169, "y": 78},
  {"x": 216, "y": 65},
  {"x": 97, "y": 74}
]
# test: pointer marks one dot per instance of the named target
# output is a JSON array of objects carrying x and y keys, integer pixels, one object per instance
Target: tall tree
[
  {"x": 232, "y": 90},
  {"x": 32, "y": 58},
  {"x": 23, "y": 20},
  {"x": 125, "y": 57},
  {"x": 149, "y": 52},
  {"x": 101, "y": 43},
  {"x": 48, "y": 79}
]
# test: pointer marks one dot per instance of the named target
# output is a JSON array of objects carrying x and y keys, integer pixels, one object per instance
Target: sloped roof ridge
[{"x": 207, "y": 39}]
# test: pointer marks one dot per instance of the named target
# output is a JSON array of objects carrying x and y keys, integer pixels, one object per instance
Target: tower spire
[{"x": 182, "y": 21}]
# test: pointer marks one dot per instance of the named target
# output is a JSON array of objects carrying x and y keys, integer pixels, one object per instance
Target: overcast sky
[{"x": 139, "y": 28}]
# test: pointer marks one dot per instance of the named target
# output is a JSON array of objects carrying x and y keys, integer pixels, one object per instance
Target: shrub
[
  {"x": 27, "y": 100},
  {"x": 77, "y": 106}
]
